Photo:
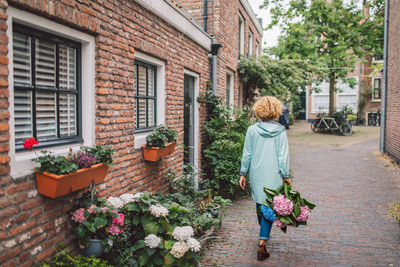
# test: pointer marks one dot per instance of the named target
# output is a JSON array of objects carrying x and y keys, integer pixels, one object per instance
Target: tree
[
  {"x": 281, "y": 78},
  {"x": 330, "y": 34}
]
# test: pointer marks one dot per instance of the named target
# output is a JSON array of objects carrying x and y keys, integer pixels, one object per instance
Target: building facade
[{"x": 390, "y": 139}]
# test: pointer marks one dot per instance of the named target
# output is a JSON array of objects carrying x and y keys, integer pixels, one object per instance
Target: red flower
[{"x": 30, "y": 142}]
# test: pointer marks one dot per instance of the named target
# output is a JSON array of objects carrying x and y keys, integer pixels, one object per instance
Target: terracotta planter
[
  {"x": 53, "y": 186},
  {"x": 155, "y": 153}
]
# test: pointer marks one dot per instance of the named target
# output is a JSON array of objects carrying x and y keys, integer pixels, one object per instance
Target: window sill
[
  {"x": 22, "y": 164},
  {"x": 376, "y": 100},
  {"x": 140, "y": 138}
]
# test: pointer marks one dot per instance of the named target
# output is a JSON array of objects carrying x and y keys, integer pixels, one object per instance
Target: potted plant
[
  {"x": 58, "y": 175},
  {"x": 159, "y": 144},
  {"x": 97, "y": 224}
]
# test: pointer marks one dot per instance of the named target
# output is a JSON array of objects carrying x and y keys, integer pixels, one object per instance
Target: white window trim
[
  {"x": 251, "y": 41},
  {"x": 231, "y": 89},
  {"x": 196, "y": 120},
  {"x": 20, "y": 163},
  {"x": 241, "y": 48},
  {"x": 140, "y": 138},
  {"x": 373, "y": 99}
]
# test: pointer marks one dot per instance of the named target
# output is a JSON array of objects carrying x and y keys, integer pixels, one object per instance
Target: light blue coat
[{"x": 265, "y": 157}]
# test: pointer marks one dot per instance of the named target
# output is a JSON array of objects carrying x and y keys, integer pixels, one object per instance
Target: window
[
  {"x": 320, "y": 100},
  {"x": 46, "y": 81},
  {"x": 347, "y": 96},
  {"x": 146, "y": 91},
  {"x": 377, "y": 89},
  {"x": 250, "y": 51},
  {"x": 257, "y": 48},
  {"x": 229, "y": 89},
  {"x": 241, "y": 35}
]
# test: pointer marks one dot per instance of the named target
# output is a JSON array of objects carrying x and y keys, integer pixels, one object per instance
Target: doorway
[{"x": 189, "y": 120}]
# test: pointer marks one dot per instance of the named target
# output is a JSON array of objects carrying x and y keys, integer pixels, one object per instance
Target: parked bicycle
[{"x": 336, "y": 124}]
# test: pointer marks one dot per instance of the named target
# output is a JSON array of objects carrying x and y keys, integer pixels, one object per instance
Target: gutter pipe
[
  {"x": 205, "y": 16},
  {"x": 384, "y": 89}
]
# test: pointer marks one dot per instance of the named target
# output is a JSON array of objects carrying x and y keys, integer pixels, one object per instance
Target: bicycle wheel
[
  {"x": 314, "y": 126},
  {"x": 345, "y": 129}
]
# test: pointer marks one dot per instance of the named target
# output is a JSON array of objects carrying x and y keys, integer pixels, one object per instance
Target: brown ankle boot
[{"x": 262, "y": 253}]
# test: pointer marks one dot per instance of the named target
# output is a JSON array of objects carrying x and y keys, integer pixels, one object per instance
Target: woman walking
[{"x": 266, "y": 159}]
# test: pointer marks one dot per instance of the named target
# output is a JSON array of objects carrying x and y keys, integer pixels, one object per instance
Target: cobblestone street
[{"x": 352, "y": 187}]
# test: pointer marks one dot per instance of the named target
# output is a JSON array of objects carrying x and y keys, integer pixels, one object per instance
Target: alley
[{"x": 352, "y": 187}]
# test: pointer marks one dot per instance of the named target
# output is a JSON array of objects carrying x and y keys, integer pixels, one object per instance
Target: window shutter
[
  {"x": 22, "y": 115},
  {"x": 45, "y": 64},
  {"x": 67, "y": 68},
  {"x": 68, "y": 115},
  {"x": 46, "y": 116},
  {"x": 22, "y": 59}
]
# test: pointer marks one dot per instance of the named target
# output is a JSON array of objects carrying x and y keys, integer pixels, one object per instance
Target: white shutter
[
  {"x": 45, "y": 64},
  {"x": 68, "y": 115},
  {"x": 67, "y": 68},
  {"x": 22, "y": 115},
  {"x": 22, "y": 59},
  {"x": 142, "y": 112},
  {"x": 46, "y": 116}
]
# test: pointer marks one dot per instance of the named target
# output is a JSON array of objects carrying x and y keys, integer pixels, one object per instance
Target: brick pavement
[{"x": 349, "y": 227}]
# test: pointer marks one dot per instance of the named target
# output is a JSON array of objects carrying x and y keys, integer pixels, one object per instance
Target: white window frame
[
  {"x": 20, "y": 163},
  {"x": 250, "y": 50},
  {"x": 231, "y": 89},
  {"x": 313, "y": 95},
  {"x": 373, "y": 99},
  {"x": 140, "y": 138},
  {"x": 241, "y": 34},
  {"x": 257, "y": 48},
  {"x": 353, "y": 93}
]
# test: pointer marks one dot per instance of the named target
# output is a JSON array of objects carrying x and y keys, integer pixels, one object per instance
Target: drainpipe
[
  {"x": 385, "y": 59},
  {"x": 205, "y": 15},
  {"x": 214, "y": 52}
]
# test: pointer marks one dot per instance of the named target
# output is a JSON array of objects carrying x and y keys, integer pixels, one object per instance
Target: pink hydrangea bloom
[
  {"x": 78, "y": 215},
  {"x": 91, "y": 209},
  {"x": 305, "y": 213},
  {"x": 119, "y": 220},
  {"x": 115, "y": 230},
  {"x": 278, "y": 223},
  {"x": 282, "y": 205},
  {"x": 104, "y": 209}
]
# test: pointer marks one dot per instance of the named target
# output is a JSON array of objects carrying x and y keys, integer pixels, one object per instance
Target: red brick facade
[
  {"x": 392, "y": 129},
  {"x": 223, "y": 24},
  {"x": 31, "y": 225}
]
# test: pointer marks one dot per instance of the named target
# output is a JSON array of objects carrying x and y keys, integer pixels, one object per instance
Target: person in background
[
  {"x": 284, "y": 118},
  {"x": 266, "y": 159}
]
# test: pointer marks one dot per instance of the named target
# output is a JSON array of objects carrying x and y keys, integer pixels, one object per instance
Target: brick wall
[
  {"x": 223, "y": 24},
  {"x": 31, "y": 225},
  {"x": 392, "y": 131}
]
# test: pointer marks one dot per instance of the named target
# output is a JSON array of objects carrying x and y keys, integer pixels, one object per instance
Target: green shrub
[
  {"x": 63, "y": 257},
  {"x": 160, "y": 137},
  {"x": 224, "y": 132},
  {"x": 394, "y": 210}
]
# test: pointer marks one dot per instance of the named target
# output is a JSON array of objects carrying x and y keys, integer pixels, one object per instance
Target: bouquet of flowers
[{"x": 285, "y": 206}]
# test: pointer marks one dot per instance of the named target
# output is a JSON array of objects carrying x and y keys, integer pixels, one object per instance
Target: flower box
[
  {"x": 53, "y": 186},
  {"x": 156, "y": 153}
]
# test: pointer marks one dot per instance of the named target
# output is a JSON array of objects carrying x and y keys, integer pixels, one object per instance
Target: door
[
  {"x": 188, "y": 120},
  {"x": 302, "y": 108}
]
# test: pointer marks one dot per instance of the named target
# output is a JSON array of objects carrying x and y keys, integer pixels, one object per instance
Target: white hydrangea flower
[
  {"x": 110, "y": 242},
  {"x": 182, "y": 233},
  {"x": 127, "y": 198},
  {"x": 193, "y": 244},
  {"x": 152, "y": 241},
  {"x": 138, "y": 195},
  {"x": 179, "y": 249},
  {"x": 116, "y": 202},
  {"x": 158, "y": 211}
]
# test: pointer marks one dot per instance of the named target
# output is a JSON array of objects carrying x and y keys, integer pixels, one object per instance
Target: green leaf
[
  {"x": 143, "y": 258},
  {"x": 165, "y": 226},
  {"x": 286, "y": 220},
  {"x": 136, "y": 220},
  {"x": 270, "y": 192},
  {"x": 139, "y": 244},
  {"x": 133, "y": 206},
  {"x": 151, "y": 228},
  {"x": 169, "y": 259},
  {"x": 296, "y": 211},
  {"x": 285, "y": 188},
  {"x": 146, "y": 219},
  {"x": 168, "y": 244},
  {"x": 309, "y": 204},
  {"x": 150, "y": 251},
  {"x": 100, "y": 222},
  {"x": 158, "y": 261},
  {"x": 80, "y": 232}
]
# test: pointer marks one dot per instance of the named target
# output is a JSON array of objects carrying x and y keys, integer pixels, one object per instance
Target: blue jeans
[{"x": 265, "y": 226}]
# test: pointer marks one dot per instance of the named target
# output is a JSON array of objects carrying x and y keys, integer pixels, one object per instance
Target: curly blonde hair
[{"x": 268, "y": 108}]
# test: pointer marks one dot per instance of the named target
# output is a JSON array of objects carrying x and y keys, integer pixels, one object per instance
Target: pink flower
[
  {"x": 91, "y": 209},
  {"x": 115, "y": 230},
  {"x": 78, "y": 215},
  {"x": 282, "y": 205},
  {"x": 104, "y": 209},
  {"x": 278, "y": 223},
  {"x": 119, "y": 220},
  {"x": 305, "y": 213}
]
